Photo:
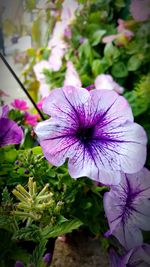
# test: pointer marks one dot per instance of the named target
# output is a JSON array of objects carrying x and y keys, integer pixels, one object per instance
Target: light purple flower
[
  {"x": 20, "y": 104},
  {"x": 127, "y": 207},
  {"x": 10, "y": 132},
  {"x": 140, "y": 9},
  {"x": 95, "y": 130},
  {"x": 72, "y": 77},
  {"x": 136, "y": 257},
  {"x": 106, "y": 81},
  {"x": 68, "y": 10}
]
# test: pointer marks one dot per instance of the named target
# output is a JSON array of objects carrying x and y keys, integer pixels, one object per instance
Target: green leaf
[
  {"x": 37, "y": 150},
  {"x": 111, "y": 52},
  {"x": 11, "y": 155},
  {"x": 97, "y": 36},
  {"x": 133, "y": 63},
  {"x": 60, "y": 229},
  {"x": 119, "y": 70},
  {"x": 97, "y": 67},
  {"x": 85, "y": 51}
]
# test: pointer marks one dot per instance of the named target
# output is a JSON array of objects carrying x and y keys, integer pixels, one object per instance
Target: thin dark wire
[{"x": 22, "y": 86}]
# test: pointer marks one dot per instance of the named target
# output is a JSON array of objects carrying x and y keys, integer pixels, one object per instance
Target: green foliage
[{"x": 61, "y": 229}]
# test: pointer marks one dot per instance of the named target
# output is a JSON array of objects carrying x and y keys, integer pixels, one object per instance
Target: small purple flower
[
  {"x": 47, "y": 258},
  {"x": 19, "y": 264},
  {"x": 10, "y": 132},
  {"x": 127, "y": 207},
  {"x": 95, "y": 131}
]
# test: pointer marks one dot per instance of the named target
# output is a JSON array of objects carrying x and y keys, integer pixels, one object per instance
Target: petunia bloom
[
  {"x": 127, "y": 207},
  {"x": 20, "y": 104},
  {"x": 72, "y": 77},
  {"x": 106, "y": 81},
  {"x": 140, "y": 9},
  {"x": 136, "y": 257},
  {"x": 123, "y": 36},
  {"x": 95, "y": 131},
  {"x": 10, "y": 132},
  {"x": 31, "y": 119}
]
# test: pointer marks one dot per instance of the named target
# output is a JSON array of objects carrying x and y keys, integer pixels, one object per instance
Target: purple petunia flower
[
  {"x": 127, "y": 207},
  {"x": 95, "y": 130},
  {"x": 10, "y": 132},
  {"x": 136, "y": 257}
]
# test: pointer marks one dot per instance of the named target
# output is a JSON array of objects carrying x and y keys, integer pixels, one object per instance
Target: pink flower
[
  {"x": 72, "y": 77},
  {"x": 140, "y": 9},
  {"x": 20, "y": 104},
  {"x": 40, "y": 103},
  {"x": 55, "y": 59},
  {"x": 122, "y": 37},
  {"x": 106, "y": 82},
  {"x": 31, "y": 119}
]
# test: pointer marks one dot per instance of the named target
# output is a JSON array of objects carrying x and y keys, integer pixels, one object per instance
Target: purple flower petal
[
  {"x": 10, "y": 132},
  {"x": 137, "y": 257},
  {"x": 127, "y": 207},
  {"x": 4, "y": 111},
  {"x": 95, "y": 130}
]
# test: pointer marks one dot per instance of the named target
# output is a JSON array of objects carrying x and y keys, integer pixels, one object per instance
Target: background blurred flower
[
  {"x": 140, "y": 9},
  {"x": 19, "y": 264},
  {"x": 127, "y": 207},
  {"x": 47, "y": 258},
  {"x": 20, "y": 104},
  {"x": 71, "y": 76},
  {"x": 106, "y": 81},
  {"x": 31, "y": 119},
  {"x": 40, "y": 103},
  {"x": 95, "y": 130},
  {"x": 123, "y": 36},
  {"x": 10, "y": 132}
]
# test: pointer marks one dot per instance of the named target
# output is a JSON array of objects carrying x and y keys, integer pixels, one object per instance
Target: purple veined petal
[
  {"x": 137, "y": 257},
  {"x": 140, "y": 182},
  {"x": 129, "y": 236},
  {"x": 10, "y": 132},
  {"x": 57, "y": 141},
  {"x": 127, "y": 210},
  {"x": 111, "y": 105},
  {"x": 66, "y": 101},
  {"x": 142, "y": 215}
]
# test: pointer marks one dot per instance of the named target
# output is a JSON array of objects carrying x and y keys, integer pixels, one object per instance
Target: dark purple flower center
[{"x": 85, "y": 135}]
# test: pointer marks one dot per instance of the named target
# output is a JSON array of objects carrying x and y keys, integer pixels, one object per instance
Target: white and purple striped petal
[
  {"x": 127, "y": 207},
  {"x": 95, "y": 131}
]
